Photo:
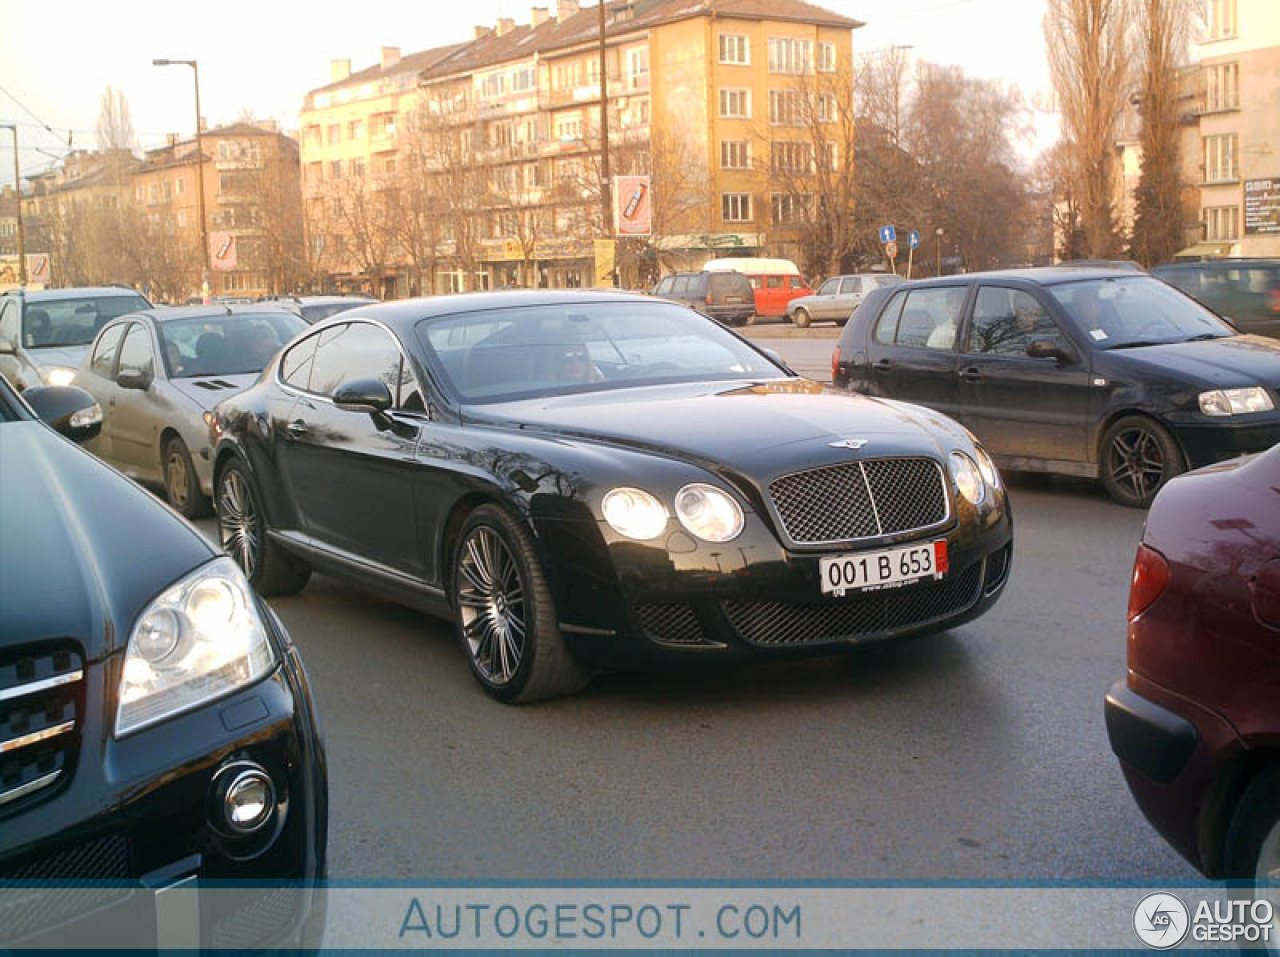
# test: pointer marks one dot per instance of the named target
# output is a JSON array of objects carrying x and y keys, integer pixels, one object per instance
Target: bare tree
[
  {"x": 115, "y": 122},
  {"x": 440, "y": 142},
  {"x": 1157, "y": 226},
  {"x": 275, "y": 209},
  {"x": 358, "y": 223},
  {"x": 1088, "y": 49},
  {"x": 1054, "y": 180}
]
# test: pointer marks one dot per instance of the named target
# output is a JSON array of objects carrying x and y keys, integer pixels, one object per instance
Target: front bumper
[
  {"x": 1206, "y": 443},
  {"x": 136, "y": 818}
]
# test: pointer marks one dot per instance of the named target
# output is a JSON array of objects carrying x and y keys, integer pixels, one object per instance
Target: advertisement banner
[
  {"x": 605, "y": 261},
  {"x": 222, "y": 248},
  {"x": 632, "y": 206},
  {"x": 38, "y": 271},
  {"x": 1262, "y": 207}
]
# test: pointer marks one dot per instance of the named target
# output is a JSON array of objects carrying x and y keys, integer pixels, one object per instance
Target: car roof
[
  {"x": 1038, "y": 276},
  {"x": 170, "y": 313},
  {"x": 1219, "y": 264},
  {"x": 80, "y": 292}
]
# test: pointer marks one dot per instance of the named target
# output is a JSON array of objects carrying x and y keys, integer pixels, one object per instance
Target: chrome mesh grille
[
  {"x": 41, "y": 704},
  {"x": 774, "y": 623},
  {"x": 672, "y": 623},
  {"x": 854, "y": 500}
]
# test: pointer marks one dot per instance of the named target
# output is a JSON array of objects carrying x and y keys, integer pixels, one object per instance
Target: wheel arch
[
  {"x": 1220, "y": 804},
  {"x": 1115, "y": 416}
]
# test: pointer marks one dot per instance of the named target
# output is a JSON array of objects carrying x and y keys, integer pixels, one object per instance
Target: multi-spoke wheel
[
  {"x": 1138, "y": 457},
  {"x": 181, "y": 485},
  {"x": 242, "y": 531},
  {"x": 1252, "y": 853},
  {"x": 506, "y": 619}
]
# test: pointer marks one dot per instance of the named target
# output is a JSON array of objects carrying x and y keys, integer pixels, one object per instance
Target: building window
[
  {"x": 355, "y": 130},
  {"x": 735, "y": 154},
  {"x": 569, "y": 127},
  {"x": 565, "y": 76},
  {"x": 788, "y": 55},
  {"x": 734, "y": 49},
  {"x": 1221, "y": 19},
  {"x": 826, "y": 108},
  {"x": 389, "y": 166},
  {"x": 735, "y": 104},
  {"x": 638, "y": 69},
  {"x": 786, "y": 108},
  {"x": 790, "y": 157},
  {"x": 335, "y": 169},
  {"x": 311, "y": 135},
  {"x": 826, "y": 58},
  {"x": 526, "y": 78},
  {"x": 827, "y": 157},
  {"x": 335, "y": 132},
  {"x": 790, "y": 208},
  {"x": 1222, "y": 87},
  {"x": 492, "y": 85},
  {"x": 179, "y": 186},
  {"x": 735, "y": 207},
  {"x": 1222, "y": 222},
  {"x": 357, "y": 168},
  {"x": 1220, "y": 159}
]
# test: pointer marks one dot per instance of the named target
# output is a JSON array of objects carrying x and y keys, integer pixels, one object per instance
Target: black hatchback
[
  {"x": 1100, "y": 373},
  {"x": 724, "y": 296}
]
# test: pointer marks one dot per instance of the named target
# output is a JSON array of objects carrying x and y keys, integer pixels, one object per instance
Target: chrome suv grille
[
  {"x": 41, "y": 704},
  {"x": 853, "y": 500}
]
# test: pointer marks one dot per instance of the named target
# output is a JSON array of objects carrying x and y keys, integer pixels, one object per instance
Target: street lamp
[
  {"x": 17, "y": 188},
  {"x": 938, "y": 232},
  {"x": 204, "y": 231}
]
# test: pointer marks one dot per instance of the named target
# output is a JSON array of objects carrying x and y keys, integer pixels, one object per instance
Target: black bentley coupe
[{"x": 581, "y": 479}]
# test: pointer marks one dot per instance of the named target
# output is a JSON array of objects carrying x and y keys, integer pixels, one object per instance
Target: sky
[{"x": 264, "y": 56}]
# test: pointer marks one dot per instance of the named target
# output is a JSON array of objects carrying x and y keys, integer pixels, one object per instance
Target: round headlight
[
  {"x": 968, "y": 478},
  {"x": 708, "y": 513},
  {"x": 988, "y": 468},
  {"x": 158, "y": 635},
  {"x": 60, "y": 375},
  {"x": 634, "y": 513}
]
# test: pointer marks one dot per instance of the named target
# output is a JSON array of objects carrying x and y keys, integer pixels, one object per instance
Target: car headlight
[
  {"x": 708, "y": 513},
  {"x": 59, "y": 375},
  {"x": 987, "y": 467},
  {"x": 634, "y": 513},
  {"x": 1236, "y": 401},
  {"x": 200, "y": 640},
  {"x": 968, "y": 478}
]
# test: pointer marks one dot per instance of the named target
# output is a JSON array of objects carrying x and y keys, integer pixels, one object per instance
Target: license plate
[{"x": 864, "y": 571}]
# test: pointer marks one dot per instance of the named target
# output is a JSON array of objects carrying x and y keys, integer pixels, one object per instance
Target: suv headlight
[
  {"x": 1236, "y": 401},
  {"x": 708, "y": 513},
  {"x": 200, "y": 640},
  {"x": 968, "y": 478},
  {"x": 59, "y": 375}
]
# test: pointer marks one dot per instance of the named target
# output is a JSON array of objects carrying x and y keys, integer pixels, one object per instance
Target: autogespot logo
[{"x": 1161, "y": 921}]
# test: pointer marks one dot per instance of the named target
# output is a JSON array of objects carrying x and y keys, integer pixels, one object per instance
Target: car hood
[
  {"x": 50, "y": 356},
  {"x": 1224, "y": 363},
  {"x": 207, "y": 391},
  {"x": 83, "y": 550},
  {"x": 758, "y": 428}
]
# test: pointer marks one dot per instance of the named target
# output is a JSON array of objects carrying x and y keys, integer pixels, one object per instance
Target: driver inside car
[{"x": 572, "y": 365}]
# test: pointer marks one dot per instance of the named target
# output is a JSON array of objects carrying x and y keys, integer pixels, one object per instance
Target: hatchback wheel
[
  {"x": 1252, "y": 853},
  {"x": 506, "y": 619},
  {"x": 1138, "y": 457},
  {"x": 242, "y": 531},
  {"x": 181, "y": 485},
  {"x": 803, "y": 318}
]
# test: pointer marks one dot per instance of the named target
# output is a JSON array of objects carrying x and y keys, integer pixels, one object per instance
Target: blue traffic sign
[
  {"x": 913, "y": 239},
  {"x": 888, "y": 234}
]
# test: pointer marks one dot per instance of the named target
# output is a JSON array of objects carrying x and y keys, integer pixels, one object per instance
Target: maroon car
[{"x": 1196, "y": 725}]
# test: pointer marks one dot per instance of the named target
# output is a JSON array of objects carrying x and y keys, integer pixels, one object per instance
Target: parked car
[
  {"x": 1246, "y": 292},
  {"x": 1101, "y": 373},
  {"x": 775, "y": 282},
  {"x": 837, "y": 297},
  {"x": 724, "y": 296},
  {"x": 582, "y": 479},
  {"x": 315, "y": 308},
  {"x": 1196, "y": 721},
  {"x": 156, "y": 724},
  {"x": 45, "y": 334},
  {"x": 1127, "y": 264},
  {"x": 156, "y": 375}
]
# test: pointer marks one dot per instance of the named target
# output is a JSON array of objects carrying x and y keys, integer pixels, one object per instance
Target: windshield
[
  {"x": 314, "y": 314},
  {"x": 225, "y": 345},
  {"x": 532, "y": 351},
  {"x": 1137, "y": 311},
  {"x": 50, "y": 323}
]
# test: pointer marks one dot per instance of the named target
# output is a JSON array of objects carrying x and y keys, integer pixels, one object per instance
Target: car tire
[
  {"x": 498, "y": 589},
  {"x": 803, "y": 319},
  {"x": 1137, "y": 457},
  {"x": 181, "y": 484},
  {"x": 242, "y": 531},
  {"x": 1252, "y": 851},
  {"x": 751, "y": 320}
]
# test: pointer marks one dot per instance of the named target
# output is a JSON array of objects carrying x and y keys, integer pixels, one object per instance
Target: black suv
[
  {"x": 1244, "y": 291},
  {"x": 724, "y": 296},
  {"x": 156, "y": 725}
]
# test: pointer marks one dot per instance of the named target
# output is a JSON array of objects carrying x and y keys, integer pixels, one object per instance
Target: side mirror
[
  {"x": 68, "y": 409},
  {"x": 1050, "y": 348},
  {"x": 133, "y": 379},
  {"x": 363, "y": 395}
]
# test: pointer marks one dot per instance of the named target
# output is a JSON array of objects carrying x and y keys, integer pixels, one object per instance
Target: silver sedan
[
  {"x": 156, "y": 374},
  {"x": 837, "y": 298}
]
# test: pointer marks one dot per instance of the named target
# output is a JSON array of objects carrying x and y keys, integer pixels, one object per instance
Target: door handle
[
  {"x": 971, "y": 374},
  {"x": 297, "y": 427},
  {"x": 882, "y": 365}
]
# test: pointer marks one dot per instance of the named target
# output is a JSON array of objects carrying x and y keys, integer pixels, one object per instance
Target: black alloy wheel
[{"x": 1138, "y": 457}]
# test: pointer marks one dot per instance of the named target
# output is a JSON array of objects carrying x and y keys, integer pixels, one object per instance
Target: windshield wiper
[{"x": 1206, "y": 335}]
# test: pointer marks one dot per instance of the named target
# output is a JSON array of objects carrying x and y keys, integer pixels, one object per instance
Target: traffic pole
[{"x": 911, "y": 252}]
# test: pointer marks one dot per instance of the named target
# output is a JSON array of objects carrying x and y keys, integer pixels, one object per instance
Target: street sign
[
  {"x": 888, "y": 234},
  {"x": 891, "y": 249},
  {"x": 913, "y": 239}
]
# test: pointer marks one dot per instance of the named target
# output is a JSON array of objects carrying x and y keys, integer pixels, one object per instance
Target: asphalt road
[
  {"x": 807, "y": 351},
  {"x": 974, "y": 754}
]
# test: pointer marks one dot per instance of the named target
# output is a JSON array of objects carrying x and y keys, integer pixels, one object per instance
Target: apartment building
[{"x": 477, "y": 165}]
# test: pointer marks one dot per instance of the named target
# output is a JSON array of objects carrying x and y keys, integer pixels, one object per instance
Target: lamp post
[
  {"x": 17, "y": 189},
  {"x": 204, "y": 230},
  {"x": 938, "y": 232}
]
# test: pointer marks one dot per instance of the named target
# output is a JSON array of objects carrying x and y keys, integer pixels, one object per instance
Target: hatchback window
[
  {"x": 49, "y": 323},
  {"x": 355, "y": 351},
  {"x": 1136, "y": 311},
  {"x": 1005, "y": 320},
  {"x": 104, "y": 353},
  {"x": 887, "y": 327},
  {"x": 136, "y": 353},
  {"x": 930, "y": 317}
]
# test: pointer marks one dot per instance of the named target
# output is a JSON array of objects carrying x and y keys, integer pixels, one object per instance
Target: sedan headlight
[
  {"x": 968, "y": 478},
  {"x": 708, "y": 513},
  {"x": 634, "y": 513},
  {"x": 200, "y": 640},
  {"x": 59, "y": 375},
  {"x": 1236, "y": 401},
  {"x": 987, "y": 467}
]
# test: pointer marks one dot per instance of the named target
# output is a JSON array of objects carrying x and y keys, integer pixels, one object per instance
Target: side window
[
  {"x": 9, "y": 322},
  {"x": 680, "y": 285},
  {"x": 887, "y": 327},
  {"x": 295, "y": 365},
  {"x": 355, "y": 351},
  {"x": 664, "y": 287},
  {"x": 850, "y": 287},
  {"x": 756, "y": 281},
  {"x": 104, "y": 353},
  {"x": 136, "y": 353},
  {"x": 408, "y": 395},
  {"x": 829, "y": 288},
  {"x": 930, "y": 317},
  {"x": 1005, "y": 320},
  {"x": 796, "y": 282},
  {"x": 774, "y": 282}
]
